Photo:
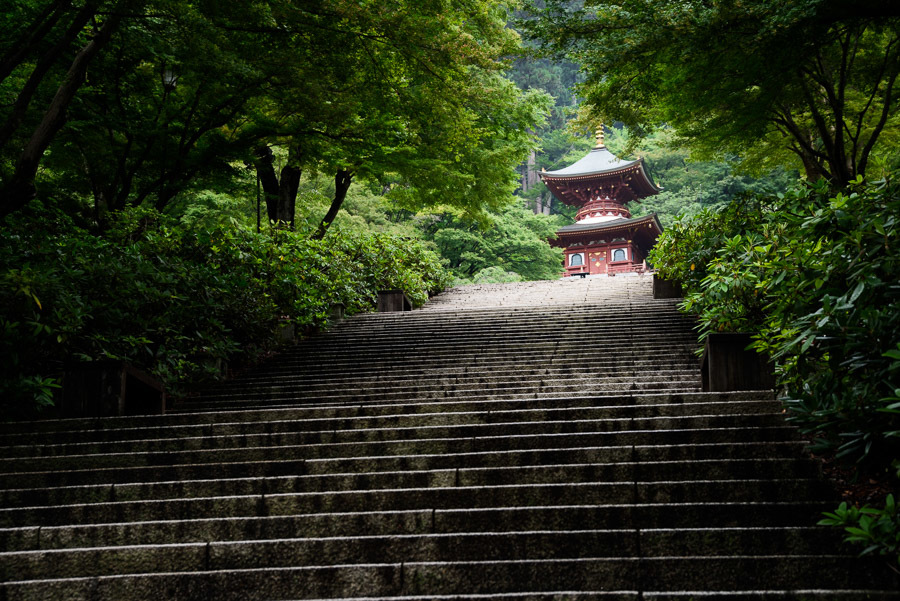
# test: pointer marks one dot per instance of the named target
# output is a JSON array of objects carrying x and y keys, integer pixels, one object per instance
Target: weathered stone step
[
  {"x": 361, "y": 549},
  {"x": 344, "y": 443},
  {"x": 243, "y": 404},
  {"x": 735, "y": 573},
  {"x": 384, "y": 382},
  {"x": 447, "y": 376},
  {"x": 499, "y": 350},
  {"x": 414, "y": 521},
  {"x": 305, "y": 418},
  {"x": 566, "y": 338},
  {"x": 611, "y": 359},
  {"x": 643, "y": 323},
  {"x": 13, "y": 429},
  {"x": 434, "y": 367},
  {"x": 499, "y": 388},
  {"x": 422, "y": 425},
  {"x": 431, "y": 368},
  {"x": 380, "y": 379},
  {"x": 428, "y": 426},
  {"x": 755, "y": 595},
  {"x": 492, "y": 337},
  {"x": 591, "y": 493},
  {"x": 416, "y": 478},
  {"x": 371, "y": 463}
]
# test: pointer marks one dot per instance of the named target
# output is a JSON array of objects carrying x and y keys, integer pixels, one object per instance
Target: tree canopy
[
  {"x": 812, "y": 79},
  {"x": 115, "y": 103}
]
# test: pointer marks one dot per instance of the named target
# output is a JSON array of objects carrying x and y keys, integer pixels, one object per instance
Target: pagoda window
[
  {"x": 619, "y": 255},
  {"x": 576, "y": 259}
]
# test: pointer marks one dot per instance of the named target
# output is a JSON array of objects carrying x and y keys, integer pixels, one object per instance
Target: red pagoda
[{"x": 604, "y": 238}]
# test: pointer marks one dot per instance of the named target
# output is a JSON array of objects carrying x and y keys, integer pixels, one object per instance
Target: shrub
[
  {"x": 813, "y": 275},
  {"x": 174, "y": 301}
]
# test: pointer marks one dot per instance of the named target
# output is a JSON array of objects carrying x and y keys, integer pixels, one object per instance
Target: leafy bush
[
  {"x": 174, "y": 301},
  {"x": 877, "y": 529},
  {"x": 814, "y": 276}
]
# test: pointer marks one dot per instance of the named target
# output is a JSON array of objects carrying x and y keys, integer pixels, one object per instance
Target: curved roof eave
[
  {"x": 601, "y": 162},
  {"x": 618, "y": 224},
  {"x": 597, "y": 161}
]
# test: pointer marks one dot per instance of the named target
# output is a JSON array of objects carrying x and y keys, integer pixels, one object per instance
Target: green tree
[
  {"x": 515, "y": 241},
  {"x": 816, "y": 79},
  {"x": 689, "y": 185},
  {"x": 181, "y": 93}
]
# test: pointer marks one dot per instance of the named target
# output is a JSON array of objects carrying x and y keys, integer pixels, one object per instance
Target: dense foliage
[
  {"x": 814, "y": 275},
  {"x": 877, "y": 530},
  {"x": 810, "y": 80},
  {"x": 514, "y": 247},
  {"x": 116, "y": 103},
  {"x": 176, "y": 301}
]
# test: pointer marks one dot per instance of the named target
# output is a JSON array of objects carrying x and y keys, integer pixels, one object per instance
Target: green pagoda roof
[{"x": 598, "y": 161}]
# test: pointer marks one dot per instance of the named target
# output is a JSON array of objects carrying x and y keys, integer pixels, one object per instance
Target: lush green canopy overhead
[
  {"x": 815, "y": 79},
  {"x": 121, "y": 102}
]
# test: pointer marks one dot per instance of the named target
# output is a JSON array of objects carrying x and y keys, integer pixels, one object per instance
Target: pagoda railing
[
  {"x": 602, "y": 206},
  {"x": 613, "y": 269}
]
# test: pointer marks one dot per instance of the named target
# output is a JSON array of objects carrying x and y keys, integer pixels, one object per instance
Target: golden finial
[{"x": 600, "y": 136}]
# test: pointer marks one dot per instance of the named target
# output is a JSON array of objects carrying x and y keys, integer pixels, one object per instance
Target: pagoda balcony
[{"x": 602, "y": 208}]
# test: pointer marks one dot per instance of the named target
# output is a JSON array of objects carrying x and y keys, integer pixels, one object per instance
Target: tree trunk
[
  {"x": 265, "y": 169},
  {"x": 19, "y": 190},
  {"x": 812, "y": 167},
  {"x": 287, "y": 194},
  {"x": 23, "y": 99},
  {"x": 342, "y": 181},
  {"x": 280, "y": 193}
]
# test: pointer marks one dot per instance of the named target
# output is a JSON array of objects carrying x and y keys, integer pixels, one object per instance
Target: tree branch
[
  {"x": 33, "y": 34},
  {"x": 20, "y": 188}
]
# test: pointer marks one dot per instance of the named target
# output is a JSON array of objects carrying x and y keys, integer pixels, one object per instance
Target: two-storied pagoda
[{"x": 604, "y": 238}]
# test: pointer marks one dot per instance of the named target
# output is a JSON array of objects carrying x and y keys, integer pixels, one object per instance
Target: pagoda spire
[{"x": 600, "y": 143}]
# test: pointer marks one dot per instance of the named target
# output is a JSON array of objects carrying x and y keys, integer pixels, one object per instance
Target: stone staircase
[{"x": 543, "y": 440}]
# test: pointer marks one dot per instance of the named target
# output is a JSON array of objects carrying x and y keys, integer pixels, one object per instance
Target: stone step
[
  {"x": 610, "y": 360},
  {"x": 592, "y": 493},
  {"x": 641, "y": 367},
  {"x": 428, "y": 476},
  {"x": 502, "y": 388},
  {"x": 545, "y": 440},
  {"x": 299, "y": 411},
  {"x": 385, "y": 384},
  {"x": 424, "y": 427},
  {"x": 435, "y": 341},
  {"x": 350, "y": 443},
  {"x": 526, "y": 346},
  {"x": 569, "y": 374},
  {"x": 447, "y": 376},
  {"x": 616, "y": 418},
  {"x": 363, "y": 549},
  {"x": 375, "y": 463},
  {"x": 243, "y": 404},
  {"x": 746, "y": 515},
  {"x": 304, "y": 417},
  {"x": 724, "y": 573},
  {"x": 416, "y": 425}
]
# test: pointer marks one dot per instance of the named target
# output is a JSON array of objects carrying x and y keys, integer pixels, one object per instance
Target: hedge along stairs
[{"x": 527, "y": 441}]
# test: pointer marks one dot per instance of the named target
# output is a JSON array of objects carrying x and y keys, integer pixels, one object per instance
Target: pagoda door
[{"x": 597, "y": 261}]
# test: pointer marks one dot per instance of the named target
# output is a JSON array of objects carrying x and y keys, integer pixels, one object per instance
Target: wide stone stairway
[{"x": 542, "y": 440}]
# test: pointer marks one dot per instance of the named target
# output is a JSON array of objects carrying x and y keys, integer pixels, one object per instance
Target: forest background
[{"x": 181, "y": 180}]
